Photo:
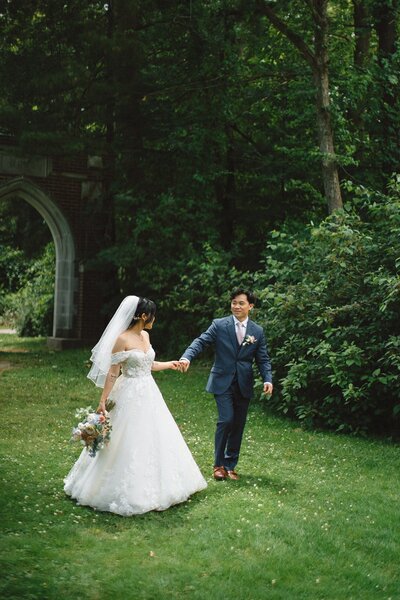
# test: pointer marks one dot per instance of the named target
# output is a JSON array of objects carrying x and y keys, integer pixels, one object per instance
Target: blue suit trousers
[{"x": 232, "y": 413}]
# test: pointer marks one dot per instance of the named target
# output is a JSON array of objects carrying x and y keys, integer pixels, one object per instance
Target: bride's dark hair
[{"x": 147, "y": 307}]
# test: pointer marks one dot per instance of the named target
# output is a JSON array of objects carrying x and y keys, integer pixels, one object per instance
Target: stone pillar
[{"x": 63, "y": 322}]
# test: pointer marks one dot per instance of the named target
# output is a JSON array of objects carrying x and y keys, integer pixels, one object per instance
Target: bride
[{"x": 147, "y": 464}]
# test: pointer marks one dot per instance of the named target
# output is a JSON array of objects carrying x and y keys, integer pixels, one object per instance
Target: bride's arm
[
  {"x": 112, "y": 376},
  {"x": 162, "y": 366}
]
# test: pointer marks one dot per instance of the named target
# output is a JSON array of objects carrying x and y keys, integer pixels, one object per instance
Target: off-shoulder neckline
[{"x": 133, "y": 350}]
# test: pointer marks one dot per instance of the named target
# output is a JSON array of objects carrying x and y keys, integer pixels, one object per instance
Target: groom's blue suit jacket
[{"x": 232, "y": 360}]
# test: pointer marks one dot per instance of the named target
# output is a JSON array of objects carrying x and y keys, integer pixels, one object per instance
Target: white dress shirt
[{"x": 242, "y": 324}]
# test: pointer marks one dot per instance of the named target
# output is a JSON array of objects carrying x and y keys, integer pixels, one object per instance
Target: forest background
[{"x": 252, "y": 143}]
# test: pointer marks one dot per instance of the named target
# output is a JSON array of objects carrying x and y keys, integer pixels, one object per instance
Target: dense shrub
[
  {"x": 30, "y": 309},
  {"x": 331, "y": 304},
  {"x": 329, "y": 300},
  {"x": 203, "y": 294},
  {"x": 13, "y": 269}
]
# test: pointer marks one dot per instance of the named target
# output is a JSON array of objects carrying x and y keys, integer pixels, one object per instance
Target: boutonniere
[{"x": 249, "y": 339}]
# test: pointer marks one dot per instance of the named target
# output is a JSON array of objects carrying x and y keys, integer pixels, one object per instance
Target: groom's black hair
[
  {"x": 249, "y": 295},
  {"x": 147, "y": 307}
]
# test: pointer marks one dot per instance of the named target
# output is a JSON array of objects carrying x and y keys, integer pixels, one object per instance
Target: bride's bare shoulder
[{"x": 120, "y": 343}]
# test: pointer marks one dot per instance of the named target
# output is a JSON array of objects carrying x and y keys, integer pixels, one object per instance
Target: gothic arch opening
[{"x": 63, "y": 321}]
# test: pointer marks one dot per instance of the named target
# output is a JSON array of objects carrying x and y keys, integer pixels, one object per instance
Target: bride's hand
[
  {"x": 174, "y": 365},
  {"x": 101, "y": 407}
]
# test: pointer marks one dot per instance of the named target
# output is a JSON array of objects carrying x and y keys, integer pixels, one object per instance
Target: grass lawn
[{"x": 314, "y": 516}]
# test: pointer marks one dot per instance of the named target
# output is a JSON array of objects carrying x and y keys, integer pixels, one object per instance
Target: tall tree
[
  {"x": 385, "y": 14},
  {"x": 362, "y": 32},
  {"x": 386, "y": 17},
  {"x": 318, "y": 61}
]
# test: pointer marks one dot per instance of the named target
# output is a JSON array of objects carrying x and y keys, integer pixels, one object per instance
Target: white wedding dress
[{"x": 147, "y": 464}]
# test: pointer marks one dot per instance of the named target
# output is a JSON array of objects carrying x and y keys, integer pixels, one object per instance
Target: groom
[{"x": 238, "y": 342}]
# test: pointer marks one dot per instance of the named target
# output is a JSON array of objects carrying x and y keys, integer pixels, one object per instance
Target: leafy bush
[
  {"x": 202, "y": 294},
  {"x": 330, "y": 300},
  {"x": 331, "y": 312},
  {"x": 13, "y": 264},
  {"x": 30, "y": 309},
  {"x": 13, "y": 268}
]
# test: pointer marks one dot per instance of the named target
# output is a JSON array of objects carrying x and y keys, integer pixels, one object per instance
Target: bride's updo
[{"x": 146, "y": 307}]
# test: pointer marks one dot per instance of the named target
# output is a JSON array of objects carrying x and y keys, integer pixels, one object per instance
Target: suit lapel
[
  {"x": 250, "y": 328},
  {"x": 232, "y": 333}
]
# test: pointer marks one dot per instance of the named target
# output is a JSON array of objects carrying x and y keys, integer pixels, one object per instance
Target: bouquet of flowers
[{"x": 93, "y": 429}]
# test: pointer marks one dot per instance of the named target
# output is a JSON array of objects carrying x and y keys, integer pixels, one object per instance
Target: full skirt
[{"x": 146, "y": 465}]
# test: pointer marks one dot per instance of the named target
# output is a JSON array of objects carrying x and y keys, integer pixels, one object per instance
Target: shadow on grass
[{"x": 174, "y": 517}]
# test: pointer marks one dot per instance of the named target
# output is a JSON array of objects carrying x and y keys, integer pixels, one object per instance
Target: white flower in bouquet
[{"x": 93, "y": 430}]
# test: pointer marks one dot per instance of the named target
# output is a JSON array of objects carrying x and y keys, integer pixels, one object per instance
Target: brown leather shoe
[
  {"x": 232, "y": 475},
  {"x": 220, "y": 473}
]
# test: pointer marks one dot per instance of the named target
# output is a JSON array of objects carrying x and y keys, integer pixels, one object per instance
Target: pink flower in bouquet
[{"x": 93, "y": 430}]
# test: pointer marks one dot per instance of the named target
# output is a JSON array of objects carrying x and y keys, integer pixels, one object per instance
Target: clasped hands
[
  {"x": 180, "y": 365},
  {"x": 183, "y": 366}
]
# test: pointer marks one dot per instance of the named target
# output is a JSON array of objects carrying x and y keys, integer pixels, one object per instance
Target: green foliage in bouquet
[
  {"x": 93, "y": 430},
  {"x": 331, "y": 301}
]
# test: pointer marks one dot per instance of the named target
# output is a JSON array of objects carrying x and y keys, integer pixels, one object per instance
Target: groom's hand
[
  {"x": 268, "y": 388},
  {"x": 184, "y": 365}
]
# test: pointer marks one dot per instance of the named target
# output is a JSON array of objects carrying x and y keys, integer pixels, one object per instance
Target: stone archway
[
  {"x": 69, "y": 192},
  {"x": 65, "y": 280}
]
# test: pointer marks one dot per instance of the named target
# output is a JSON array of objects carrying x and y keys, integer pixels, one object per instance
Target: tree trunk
[
  {"x": 362, "y": 47},
  {"x": 385, "y": 26},
  {"x": 325, "y": 136},
  {"x": 109, "y": 233},
  {"x": 318, "y": 61},
  {"x": 227, "y": 185},
  {"x": 229, "y": 195},
  {"x": 325, "y": 132},
  {"x": 384, "y": 15},
  {"x": 362, "y": 32},
  {"x": 109, "y": 271}
]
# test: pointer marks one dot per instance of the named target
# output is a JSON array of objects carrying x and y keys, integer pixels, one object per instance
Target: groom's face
[{"x": 241, "y": 307}]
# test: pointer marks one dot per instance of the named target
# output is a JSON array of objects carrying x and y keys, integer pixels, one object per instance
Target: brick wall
[{"x": 74, "y": 184}]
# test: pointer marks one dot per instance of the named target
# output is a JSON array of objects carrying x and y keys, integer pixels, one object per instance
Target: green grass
[{"x": 314, "y": 516}]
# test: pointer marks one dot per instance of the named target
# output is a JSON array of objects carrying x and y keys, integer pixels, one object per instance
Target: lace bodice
[{"x": 134, "y": 363}]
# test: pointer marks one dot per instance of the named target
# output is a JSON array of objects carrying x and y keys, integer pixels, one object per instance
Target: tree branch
[
  {"x": 315, "y": 12},
  {"x": 248, "y": 139},
  {"x": 292, "y": 36}
]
